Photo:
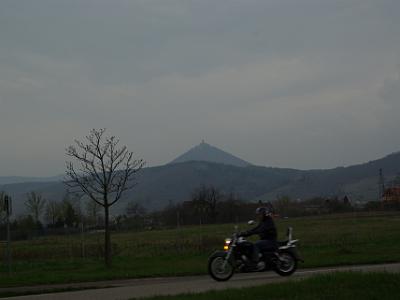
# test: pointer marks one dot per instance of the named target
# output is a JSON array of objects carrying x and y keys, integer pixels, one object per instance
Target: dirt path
[{"x": 127, "y": 289}]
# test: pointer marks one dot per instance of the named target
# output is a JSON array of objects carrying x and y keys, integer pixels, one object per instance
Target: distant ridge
[
  {"x": 174, "y": 183},
  {"x": 208, "y": 153},
  {"x": 23, "y": 179}
]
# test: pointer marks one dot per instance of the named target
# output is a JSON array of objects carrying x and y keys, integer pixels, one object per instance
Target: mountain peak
[{"x": 209, "y": 153}]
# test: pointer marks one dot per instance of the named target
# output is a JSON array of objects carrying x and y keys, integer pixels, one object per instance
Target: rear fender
[{"x": 294, "y": 252}]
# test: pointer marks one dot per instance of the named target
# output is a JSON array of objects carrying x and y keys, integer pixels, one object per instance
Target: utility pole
[
  {"x": 178, "y": 217},
  {"x": 8, "y": 210},
  {"x": 381, "y": 185}
]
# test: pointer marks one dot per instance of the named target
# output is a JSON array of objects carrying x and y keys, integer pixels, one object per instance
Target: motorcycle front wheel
[{"x": 219, "y": 269}]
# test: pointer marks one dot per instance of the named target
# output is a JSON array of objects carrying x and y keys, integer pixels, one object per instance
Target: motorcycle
[{"x": 237, "y": 250}]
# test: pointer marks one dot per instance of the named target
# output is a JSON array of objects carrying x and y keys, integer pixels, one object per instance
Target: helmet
[{"x": 263, "y": 211}]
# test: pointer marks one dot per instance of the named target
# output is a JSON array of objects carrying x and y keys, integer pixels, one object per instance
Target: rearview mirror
[{"x": 251, "y": 222}]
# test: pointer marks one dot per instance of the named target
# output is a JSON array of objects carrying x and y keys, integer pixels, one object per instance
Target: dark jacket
[{"x": 265, "y": 229}]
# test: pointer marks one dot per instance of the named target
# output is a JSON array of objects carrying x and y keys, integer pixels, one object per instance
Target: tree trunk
[{"x": 107, "y": 240}]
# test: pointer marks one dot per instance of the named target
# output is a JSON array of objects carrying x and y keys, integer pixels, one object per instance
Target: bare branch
[{"x": 105, "y": 169}]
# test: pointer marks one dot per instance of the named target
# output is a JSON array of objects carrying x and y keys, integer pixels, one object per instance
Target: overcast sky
[{"x": 301, "y": 84}]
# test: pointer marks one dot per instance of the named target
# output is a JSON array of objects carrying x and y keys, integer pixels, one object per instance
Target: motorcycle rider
[{"x": 267, "y": 232}]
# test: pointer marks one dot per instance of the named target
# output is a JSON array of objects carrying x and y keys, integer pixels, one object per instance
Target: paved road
[{"x": 126, "y": 289}]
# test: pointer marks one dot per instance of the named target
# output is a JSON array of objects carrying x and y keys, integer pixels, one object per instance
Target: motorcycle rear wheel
[{"x": 286, "y": 265}]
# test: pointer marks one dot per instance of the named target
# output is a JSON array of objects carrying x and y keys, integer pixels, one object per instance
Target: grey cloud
[
  {"x": 126, "y": 41},
  {"x": 253, "y": 77},
  {"x": 390, "y": 90}
]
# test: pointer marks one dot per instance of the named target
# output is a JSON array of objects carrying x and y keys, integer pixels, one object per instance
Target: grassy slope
[
  {"x": 343, "y": 286},
  {"x": 325, "y": 241}
]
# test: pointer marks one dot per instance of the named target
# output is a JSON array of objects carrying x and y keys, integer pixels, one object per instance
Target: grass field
[
  {"x": 325, "y": 241},
  {"x": 343, "y": 286}
]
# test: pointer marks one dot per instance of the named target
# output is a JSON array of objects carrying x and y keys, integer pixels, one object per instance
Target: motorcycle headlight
[{"x": 227, "y": 244}]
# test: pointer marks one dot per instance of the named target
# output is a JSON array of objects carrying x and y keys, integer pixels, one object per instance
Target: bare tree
[
  {"x": 70, "y": 210},
  {"x": 205, "y": 200},
  {"x": 199, "y": 200},
  {"x": 214, "y": 197},
  {"x": 35, "y": 204},
  {"x": 53, "y": 212},
  {"x": 93, "y": 212},
  {"x": 105, "y": 171},
  {"x": 135, "y": 210}
]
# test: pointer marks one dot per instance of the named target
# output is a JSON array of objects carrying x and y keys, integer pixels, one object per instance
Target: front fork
[{"x": 227, "y": 257}]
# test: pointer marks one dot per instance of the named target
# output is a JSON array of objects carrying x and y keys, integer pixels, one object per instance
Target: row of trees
[
  {"x": 69, "y": 212},
  {"x": 209, "y": 205},
  {"x": 50, "y": 216}
]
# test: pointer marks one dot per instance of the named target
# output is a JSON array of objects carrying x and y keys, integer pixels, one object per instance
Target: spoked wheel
[
  {"x": 286, "y": 265},
  {"x": 219, "y": 269}
]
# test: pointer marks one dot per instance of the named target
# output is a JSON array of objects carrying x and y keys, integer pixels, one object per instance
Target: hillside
[
  {"x": 158, "y": 186},
  {"x": 359, "y": 182}
]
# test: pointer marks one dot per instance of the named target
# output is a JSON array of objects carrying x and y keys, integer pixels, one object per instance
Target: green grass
[
  {"x": 325, "y": 241},
  {"x": 79, "y": 270},
  {"x": 343, "y": 286}
]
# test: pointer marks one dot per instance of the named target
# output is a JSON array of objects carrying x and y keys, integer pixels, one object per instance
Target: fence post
[
  {"x": 8, "y": 209},
  {"x": 82, "y": 240}
]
